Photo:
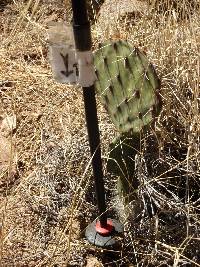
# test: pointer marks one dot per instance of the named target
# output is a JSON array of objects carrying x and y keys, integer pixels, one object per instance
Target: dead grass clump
[
  {"x": 181, "y": 9},
  {"x": 42, "y": 217}
]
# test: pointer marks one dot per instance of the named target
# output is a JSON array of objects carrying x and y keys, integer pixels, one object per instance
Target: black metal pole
[
  {"x": 94, "y": 140},
  {"x": 82, "y": 36}
]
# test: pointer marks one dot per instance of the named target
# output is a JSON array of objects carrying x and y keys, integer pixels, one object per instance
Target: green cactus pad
[
  {"x": 122, "y": 155},
  {"x": 121, "y": 163},
  {"x": 127, "y": 85}
]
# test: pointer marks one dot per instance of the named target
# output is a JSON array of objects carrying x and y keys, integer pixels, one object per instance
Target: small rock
[
  {"x": 5, "y": 84},
  {"x": 93, "y": 262},
  {"x": 8, "y": 125},
  {"x": 7, "y": 150},
  {"x": 37, "y": 115}
]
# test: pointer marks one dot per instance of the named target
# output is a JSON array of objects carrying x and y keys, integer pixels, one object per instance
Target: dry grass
[{"x": 45, "y": 209}]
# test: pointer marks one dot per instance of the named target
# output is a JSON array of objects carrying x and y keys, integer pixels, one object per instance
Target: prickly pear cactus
[
  {"x": 127, "y": 85},
  {"x": 122, "y": 152}
]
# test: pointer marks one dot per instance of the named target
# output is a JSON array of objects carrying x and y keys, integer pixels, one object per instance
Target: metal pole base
[{"x": 104, "y": 236}]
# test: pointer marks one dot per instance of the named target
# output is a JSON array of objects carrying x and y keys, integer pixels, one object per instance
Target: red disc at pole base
[{"x": 104, "y": 230}]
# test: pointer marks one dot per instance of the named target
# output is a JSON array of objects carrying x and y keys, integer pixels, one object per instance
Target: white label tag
[
  {"x": 87, "y": 75},
  {"x": 62, "y": 53}
]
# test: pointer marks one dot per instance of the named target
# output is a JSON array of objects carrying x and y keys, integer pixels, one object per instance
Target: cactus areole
[{"x": 102, "y": 232}]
